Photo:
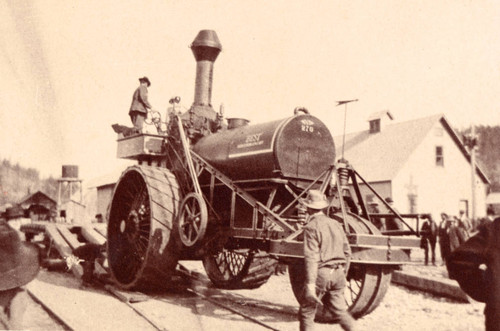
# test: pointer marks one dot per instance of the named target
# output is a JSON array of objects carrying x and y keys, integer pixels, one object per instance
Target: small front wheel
[{"x": 193, "y": 219}]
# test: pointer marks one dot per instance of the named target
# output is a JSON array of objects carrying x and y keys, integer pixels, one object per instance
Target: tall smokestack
[{"x": 206, "y": 47}]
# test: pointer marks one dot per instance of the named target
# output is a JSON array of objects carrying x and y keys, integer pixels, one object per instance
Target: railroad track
[
  {"x": 193, "y": 306},
  {"x": 185, "y": 302},
  {"x": 193, "y": 276}
]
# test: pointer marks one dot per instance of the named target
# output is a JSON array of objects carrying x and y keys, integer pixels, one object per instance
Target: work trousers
[
  {"x": 137, "y": 119},
  {"x": 429, "y": 244},
  {"x": 330, "y": 286},
  {"x": 88, "y": 272}
]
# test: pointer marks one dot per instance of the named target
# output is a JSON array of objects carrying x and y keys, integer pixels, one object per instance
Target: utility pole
[
  {"x": 344, "y": 102},
  {"x": 470, "y": 141}
]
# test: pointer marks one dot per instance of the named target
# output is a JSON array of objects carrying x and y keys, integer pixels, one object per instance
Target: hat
[
  {"x": 19, "y": 261},
  {"x": 389, "y": 200},
  {"x": 315, "y": 200},
  {"x": 145, "y": 79}
]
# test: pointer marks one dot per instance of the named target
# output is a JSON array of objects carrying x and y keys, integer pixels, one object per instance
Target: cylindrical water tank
[{"x": 70, "y": 171}]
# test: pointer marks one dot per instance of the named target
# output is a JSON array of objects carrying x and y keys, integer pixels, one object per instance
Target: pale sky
[{"x": 69, "y": 68}]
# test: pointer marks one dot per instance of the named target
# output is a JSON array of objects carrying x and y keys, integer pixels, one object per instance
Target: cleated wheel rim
[
  {"x": 140, "y": 249},
  {"x": 239, "y": 268},
  {"x": 231, "y": 263},
  {"x": 129, "y": 227},
  {"x": 366, "y": 287},
  {"x": 192, "y": 219}
]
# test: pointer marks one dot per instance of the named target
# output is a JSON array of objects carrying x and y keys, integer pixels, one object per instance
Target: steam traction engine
[{"x": 230, "y": 197}]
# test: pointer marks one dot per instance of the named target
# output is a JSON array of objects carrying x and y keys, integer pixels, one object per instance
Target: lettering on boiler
[{"x": 252, "y": 140}]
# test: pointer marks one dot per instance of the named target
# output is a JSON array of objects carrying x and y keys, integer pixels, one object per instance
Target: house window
[
  {"x": 439, "y": 156},
  {"x": 375, "y": 126}
]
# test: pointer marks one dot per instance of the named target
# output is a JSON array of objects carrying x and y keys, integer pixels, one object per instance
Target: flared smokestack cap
[{"x": 206, "y": 46}]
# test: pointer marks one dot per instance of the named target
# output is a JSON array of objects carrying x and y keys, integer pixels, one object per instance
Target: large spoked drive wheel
[
  {"x": 367, "y": 284},
  {"x": 142, "y": 212},
  {"x": 239, "y": 269},
  {"x": 366, "y": 287},
  {"x": 193, "y": 219}
]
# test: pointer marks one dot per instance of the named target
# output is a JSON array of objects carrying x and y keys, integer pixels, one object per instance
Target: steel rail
[
  {"x": 144, "y": 315},
  {"x": 135, "y": 309},
  {"x": 188, "y": 273},
  {"x": 235, "y": 311},
  {"x": 51, "y": 313}
]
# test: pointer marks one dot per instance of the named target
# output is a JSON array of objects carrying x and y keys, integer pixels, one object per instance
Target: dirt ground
[{"x": 401, "y": 309}]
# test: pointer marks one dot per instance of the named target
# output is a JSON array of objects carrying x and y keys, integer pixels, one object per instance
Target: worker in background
[
  {"x": 462, "y": 228},
  {"x": 379, "y": 222},
  {"x": 490, "y": 216},
  {"x": 140, "y": 104},
  {"x": 448, "y": 236},
  {"x": 476, "y": 267},
  {"x": 429, "y": 238},
  {"x": 326, "y": 260},
  {"x": 89, "y": 254},
  {"x": 464, "y": 222},
  {"x": 19, "y": 265}
]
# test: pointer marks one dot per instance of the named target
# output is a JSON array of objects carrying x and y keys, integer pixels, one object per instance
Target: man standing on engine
[
  {"x": 326, "y": 258},
  {"x": 140, "y": 104}
]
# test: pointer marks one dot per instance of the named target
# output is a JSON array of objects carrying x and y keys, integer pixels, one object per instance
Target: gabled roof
[
  {"x": 380, "y": 156},
  {"x": 36, "y": 197}
]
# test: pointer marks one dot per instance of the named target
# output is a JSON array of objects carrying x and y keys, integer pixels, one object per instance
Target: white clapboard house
[{"x": 421, "y": 164}]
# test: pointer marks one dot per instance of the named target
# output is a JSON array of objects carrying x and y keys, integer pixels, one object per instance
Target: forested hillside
[
  {"x": 488, "y": 152},
  {"x": 16, "y": 182}
]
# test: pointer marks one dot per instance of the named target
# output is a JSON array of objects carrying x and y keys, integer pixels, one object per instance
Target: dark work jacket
[
  {"x": 140, "y": 101},
  {"x": 482, "y": 285},
  {"x": 324, "y": 243},
  {"x": 429, "y": 232}
]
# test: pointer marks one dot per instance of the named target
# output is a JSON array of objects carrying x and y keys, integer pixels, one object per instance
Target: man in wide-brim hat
[
  {"x": 326, "y": 260},
  {"x": 19, "y": 264},
  {"x": 315, "y": 200},
  {"x": 140, "y": 104},
  {"x": 145, "y": 80}
]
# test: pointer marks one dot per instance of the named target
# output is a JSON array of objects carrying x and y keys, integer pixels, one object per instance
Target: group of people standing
[
  {"x": 451, "y": 232},
  {"x": 471, "y": 255}
]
